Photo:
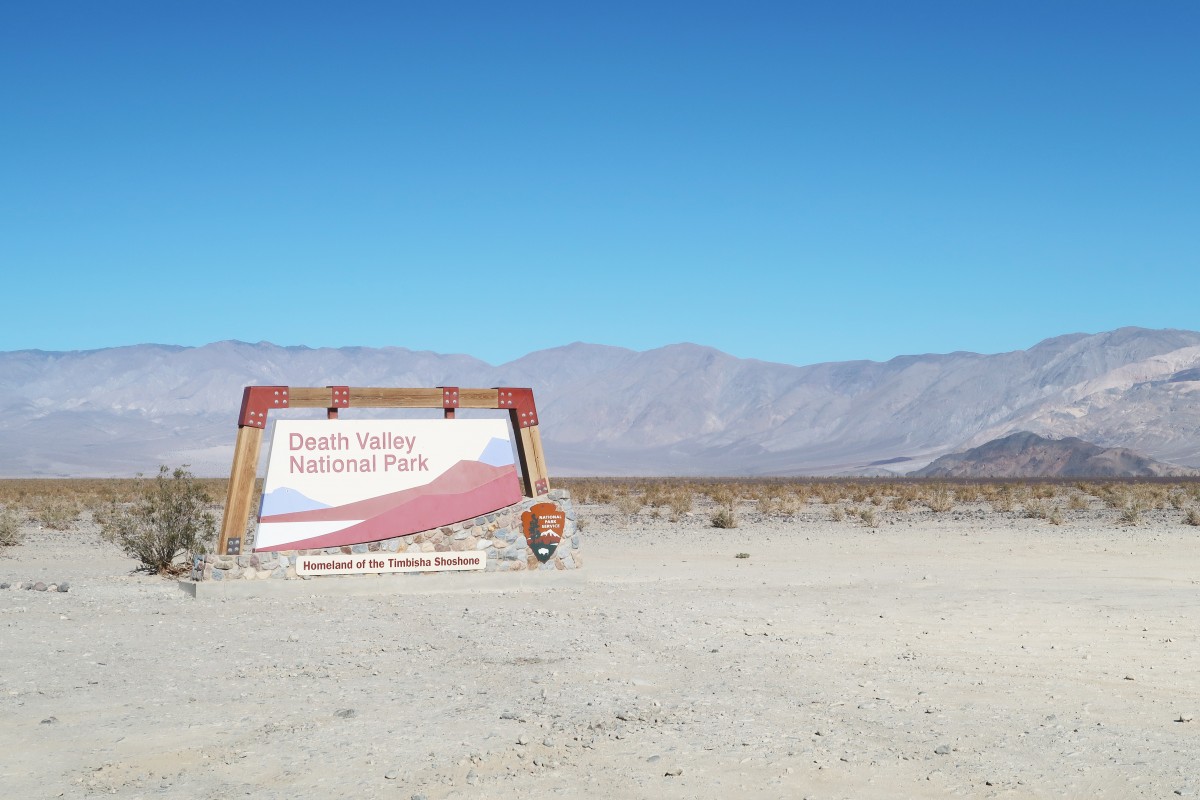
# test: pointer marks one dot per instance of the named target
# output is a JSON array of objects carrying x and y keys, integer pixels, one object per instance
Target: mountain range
[{"x": 679, "y": 410}]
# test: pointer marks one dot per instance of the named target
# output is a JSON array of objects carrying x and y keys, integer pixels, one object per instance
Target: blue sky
[{"x": 794, "y": 182}]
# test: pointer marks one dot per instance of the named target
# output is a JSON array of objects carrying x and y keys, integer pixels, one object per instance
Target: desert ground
[{"x": 970, "y": 652}]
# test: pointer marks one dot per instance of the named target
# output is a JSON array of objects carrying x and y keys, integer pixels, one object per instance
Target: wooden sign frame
[{"x": 258, "y": 401}]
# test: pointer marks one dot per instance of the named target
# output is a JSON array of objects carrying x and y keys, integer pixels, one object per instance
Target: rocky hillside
[{"x": 1027, "y": 455}]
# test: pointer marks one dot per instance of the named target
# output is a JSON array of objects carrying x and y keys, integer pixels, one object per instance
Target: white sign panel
[{"x": 333, "y": 483}]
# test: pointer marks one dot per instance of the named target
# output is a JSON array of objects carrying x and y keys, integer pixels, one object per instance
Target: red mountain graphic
[{"x": 468, "y": 489}]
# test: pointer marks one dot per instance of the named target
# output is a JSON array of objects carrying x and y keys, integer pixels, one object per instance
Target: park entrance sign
[{"x": 353, "y": 497}]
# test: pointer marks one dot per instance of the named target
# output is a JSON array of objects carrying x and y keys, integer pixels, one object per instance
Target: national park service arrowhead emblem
[{"x": 543, "y": 525}]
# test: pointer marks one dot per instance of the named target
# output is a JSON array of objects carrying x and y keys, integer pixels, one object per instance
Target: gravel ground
[{"x": 973, "y": 654}]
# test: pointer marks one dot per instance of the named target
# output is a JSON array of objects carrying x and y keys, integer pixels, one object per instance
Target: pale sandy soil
[{"x": 835, "y": 662}]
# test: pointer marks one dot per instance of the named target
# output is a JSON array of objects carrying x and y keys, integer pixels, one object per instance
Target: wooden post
[
  {"x": 241, "y": 490},
  {"x": 541, "y": 477},
  {"x": 524, "y": 453}
]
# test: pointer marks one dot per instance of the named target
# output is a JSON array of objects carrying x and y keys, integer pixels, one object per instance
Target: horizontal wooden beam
[{"x": 372, "y": 397}]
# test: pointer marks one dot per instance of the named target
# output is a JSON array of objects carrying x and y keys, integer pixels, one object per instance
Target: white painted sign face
[
  {"x": 357, "y": 564},
  {"x": 332, "y": 483}
]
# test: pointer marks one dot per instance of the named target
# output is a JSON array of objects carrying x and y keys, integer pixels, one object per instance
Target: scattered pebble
[
  {"x": 942, "y": 749},
  {"x": 346, "y": 713},
  {"x": 673, "y": 773}
]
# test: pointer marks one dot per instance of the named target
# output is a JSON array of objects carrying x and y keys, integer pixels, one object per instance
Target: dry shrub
[
  {"x": 170, "y": 518},
  {"x": 767, "y": 505},
  {"x": 582, "y": 490},
  {"x": 967, "y": 494},
  {"x": 627, "y": 504},
  {"x": 1149, "y": 496},
  {"x": 790, "y": 504},
  {"x": 829, "y": 493},
  {"x": 656, "y": 495},
  {"x": 10, "y": 528},
  {"x": 991, "y": 492},
  {"x": 1077, "y": 502},
  {"x": 1131, "y": 515},
  {"x": 868, "y": 516},
  {"x": 836, "y": 514},
  {"x": 906, "y": 495},
  {"x": 589, "y": 490},
  {"x": 939, "y": 500},
  {"x": 1192, "y": 517},
  {"x": 1044, "y": 491},
  {"x": 1036, "y": 509},
  {"x": 721, "y": 494},
  {"x": 724, "y": 518},
  {"x": 1056, "y": 516},
  {"x": 777, "y": 499},
  {"x": 1115, "y": 497},
  {"x": 681, "y": 501},
  {"x": 56, "y": 512},
  {"x": 1003, "y": 502}
]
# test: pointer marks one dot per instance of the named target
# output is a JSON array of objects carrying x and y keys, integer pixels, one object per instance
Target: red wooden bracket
[
  {"x": 340, "y": 397},
  {"x": 520, "y": 401},
  {"x": 257, "y": 401},
  {"x": 541, "y": 486},
  {"x": 449, "y": 396}
]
